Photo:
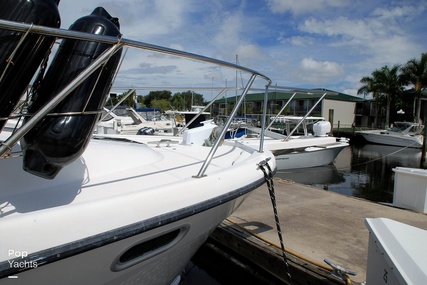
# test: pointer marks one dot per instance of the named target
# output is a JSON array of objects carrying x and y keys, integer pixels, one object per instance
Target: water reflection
[
  {"x": 363, "y": 171},
  {"x": 322, "y": 175}
]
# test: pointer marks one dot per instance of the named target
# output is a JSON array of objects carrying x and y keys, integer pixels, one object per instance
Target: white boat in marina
[
  {"x": 307, "y": 150},
  {"x": 302, "y": 152},
  {"x": 131, "y": 123},
  {"x": 107, "y": 209},
  {"x": 190, "y": 118},
  {"x": 405, "y": 134}
]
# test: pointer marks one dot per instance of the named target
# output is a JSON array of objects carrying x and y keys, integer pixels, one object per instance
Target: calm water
[{"x": 363, "y": 171}]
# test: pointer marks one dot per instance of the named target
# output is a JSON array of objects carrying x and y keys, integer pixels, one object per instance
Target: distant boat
[
  {"x": 405, "y": 134},
  {"x": 293, "y": 152},
  {"x": 189, "y": 119},
  {"x": 78, "y": 208},
  {"x": 130, "y": 122}
]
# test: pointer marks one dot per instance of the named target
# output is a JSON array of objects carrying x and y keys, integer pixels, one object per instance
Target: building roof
[
  {"x": 317, "y": 93},
  {"x": 413, "y": 93}
]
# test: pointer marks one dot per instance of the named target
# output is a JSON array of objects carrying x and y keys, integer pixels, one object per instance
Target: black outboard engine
[
  {"x": 58, "y": 140},
  {"x": 146, "y": 131},
  {"x": 16, "y": 72}
]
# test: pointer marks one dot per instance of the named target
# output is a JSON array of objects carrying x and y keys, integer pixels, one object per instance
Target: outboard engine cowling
[
  {"x": 58, "y": 140},
  {"x": 322, "y": 128},
  {"x": 16, "y": 72},
  {"x": 146, "y": 131}
]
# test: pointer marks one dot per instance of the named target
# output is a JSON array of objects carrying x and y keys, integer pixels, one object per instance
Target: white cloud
[
  {"x": 377, "y": 40},
  {"x": 251, "y": 54},
  {"x": 350, "y": 92},
  {"x": 408, "y": 12},
  {"x": 138, "y": 19},
  {"x": 304, "y": 6},
  {"x": 158, "y": 18},
  {"x": 330, "y": 68},
  {"x": 297, "y": 40},
  {"x": 322, "y": 43},
  {"x": 319, "y": 71},
  {"x": 228, "y": 32}
]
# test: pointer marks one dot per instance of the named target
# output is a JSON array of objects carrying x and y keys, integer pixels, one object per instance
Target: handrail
[
  {"x": 281, "y": 110},
  {"x": 201, "y": 111},
  {"x": 15, "y": 137},
  {"x": 117, "y": 44},
  {"x": 118, "y": 103},
  {"x": 125, "y": 42},
  {"x": 224, "y": 130},
  {"x": 264, "y": 117},
  {"x": 306, "y": 115}
]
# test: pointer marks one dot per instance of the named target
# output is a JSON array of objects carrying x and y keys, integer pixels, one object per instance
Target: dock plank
[{"x": 318, "y": 224}]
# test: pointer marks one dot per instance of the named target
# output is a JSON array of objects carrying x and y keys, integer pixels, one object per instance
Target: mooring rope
[{"x": 269, "y": 180}]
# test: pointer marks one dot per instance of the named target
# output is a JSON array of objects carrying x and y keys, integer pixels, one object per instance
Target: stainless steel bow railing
[{"x": 117, "y": 44}]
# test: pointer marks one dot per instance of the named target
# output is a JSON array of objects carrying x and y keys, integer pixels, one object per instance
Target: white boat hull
[
  {"x": 97, "y": 264},
  {"x": 113, "y": 209},
  {"x": 388, "y": 138},
  {"x": 301, "y": 152},
  {"x": 73, "y": 228},
  {"x": 130, "y": 124},
  {"x": 308, "y": 157}
]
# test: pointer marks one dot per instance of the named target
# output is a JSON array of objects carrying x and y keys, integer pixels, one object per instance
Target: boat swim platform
[{"x": 316, "y": 225}]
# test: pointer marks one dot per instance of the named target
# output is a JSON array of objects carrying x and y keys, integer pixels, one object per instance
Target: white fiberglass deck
[{"x": 113, "y": 184}]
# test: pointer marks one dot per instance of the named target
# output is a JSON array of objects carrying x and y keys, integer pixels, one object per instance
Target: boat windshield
[{"x": 406, "y": 127}]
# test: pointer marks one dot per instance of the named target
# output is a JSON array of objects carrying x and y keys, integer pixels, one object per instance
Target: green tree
[
  {"x": 129, "y": 101},
  {"x": 368, "y": 87},
  {"x": 157, "y": 95},
  {"x": 112, "y": 100},
  {"x": 162, "y": 104},
  {"x": 177, "y": 102},
  {"x": 189, "y": 98},
  {"x": 415, "y": 72},
  {"x": 384, "y": 83},
  {"x": 140, "y": 100}
]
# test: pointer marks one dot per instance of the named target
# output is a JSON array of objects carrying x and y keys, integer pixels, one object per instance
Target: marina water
[{"x": 360, "y": 170}]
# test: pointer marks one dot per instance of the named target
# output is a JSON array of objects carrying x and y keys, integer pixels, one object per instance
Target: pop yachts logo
[{"x": 15, "y": 262}]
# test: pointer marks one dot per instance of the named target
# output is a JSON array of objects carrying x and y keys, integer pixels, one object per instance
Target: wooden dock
[{"x": 316, "y": 225}]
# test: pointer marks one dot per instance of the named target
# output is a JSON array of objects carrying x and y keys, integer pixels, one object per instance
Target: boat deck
[
  {"x": 318, "y": 224},
  {"x": 121, "y": 186}
]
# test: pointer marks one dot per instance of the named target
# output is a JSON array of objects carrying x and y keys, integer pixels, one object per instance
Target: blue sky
[{"x": 301, "y": 43}]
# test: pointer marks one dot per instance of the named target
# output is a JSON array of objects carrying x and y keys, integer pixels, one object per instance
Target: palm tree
[
  {"x": 384, "y": 82},
  {"x": 367, "y": 87},
  {"x": 415, "y": 72}
]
